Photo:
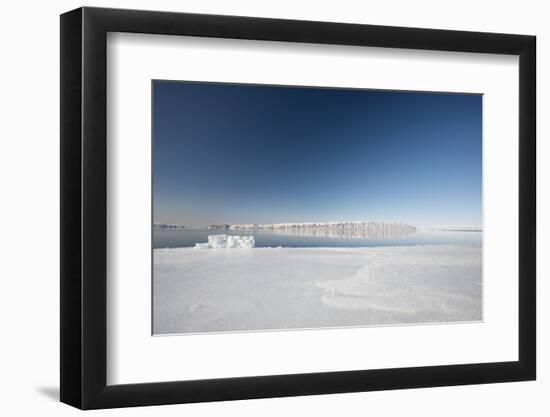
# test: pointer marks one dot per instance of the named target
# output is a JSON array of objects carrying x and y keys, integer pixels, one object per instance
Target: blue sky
[{"x": 234, "y": 153}]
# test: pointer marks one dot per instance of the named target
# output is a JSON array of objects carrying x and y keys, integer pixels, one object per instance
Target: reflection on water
[
  {"x": 296, "y": 238},
  {"x": 343, "y": 233}
]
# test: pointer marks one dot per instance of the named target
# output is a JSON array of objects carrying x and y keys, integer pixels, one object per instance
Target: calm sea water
[{"x": 187, "y": 238}]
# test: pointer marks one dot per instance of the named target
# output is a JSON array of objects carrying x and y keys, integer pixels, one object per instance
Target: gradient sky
[{"x": 234, "y": 153}]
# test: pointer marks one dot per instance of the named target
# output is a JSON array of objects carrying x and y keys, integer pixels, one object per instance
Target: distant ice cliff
[
  {"x": 167, "y": 226},
  {"x": 344, "y": 226}
]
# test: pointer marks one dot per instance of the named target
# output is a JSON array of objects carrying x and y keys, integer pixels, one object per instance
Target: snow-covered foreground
[{"x": 293, "y": 288}]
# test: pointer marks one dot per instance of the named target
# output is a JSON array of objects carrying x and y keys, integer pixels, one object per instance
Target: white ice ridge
[{"x": 227, "y": 241}]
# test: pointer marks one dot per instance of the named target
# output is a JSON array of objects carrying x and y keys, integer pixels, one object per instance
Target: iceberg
[{"x": 227, "y": 241}]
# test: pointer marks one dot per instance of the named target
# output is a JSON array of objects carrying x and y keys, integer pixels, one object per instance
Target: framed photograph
[{"x": 259, "y": 208}]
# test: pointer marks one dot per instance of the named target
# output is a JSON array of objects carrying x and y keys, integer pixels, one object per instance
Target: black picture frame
[{"x": 84, "y": 207}]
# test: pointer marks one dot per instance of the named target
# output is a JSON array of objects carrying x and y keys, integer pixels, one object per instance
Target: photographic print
[{"x": 290, "y": 207}]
